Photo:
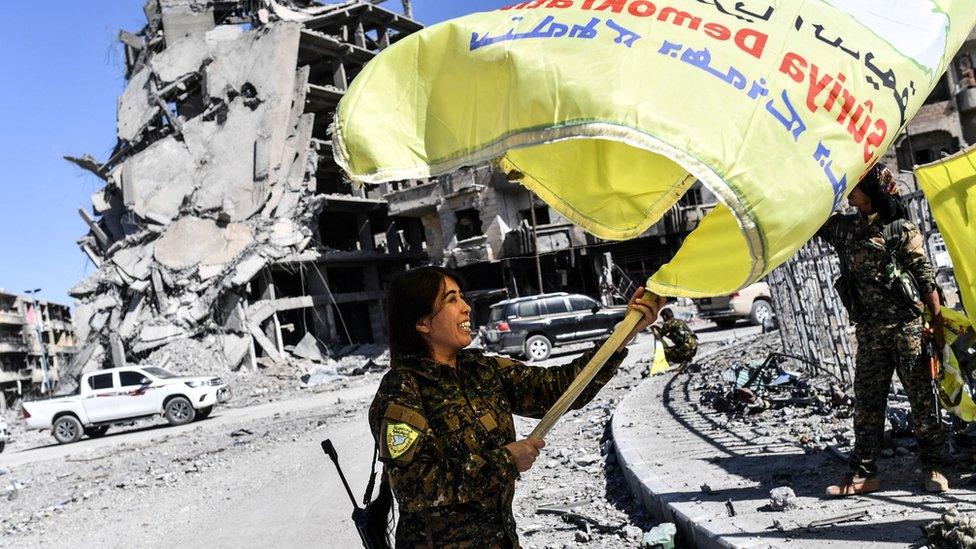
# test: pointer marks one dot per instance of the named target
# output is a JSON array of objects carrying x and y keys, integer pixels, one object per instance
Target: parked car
[
  {"x": 752, "y": 302},
  {"x": 119, "y": 395},
  {"x": 533, "y": 326},
  {"x": 4, "y": 434}
]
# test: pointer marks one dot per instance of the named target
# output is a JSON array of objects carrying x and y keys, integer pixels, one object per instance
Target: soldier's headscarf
[{"x": 879, "y": 185}]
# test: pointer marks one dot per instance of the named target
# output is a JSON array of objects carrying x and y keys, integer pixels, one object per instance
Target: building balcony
[
  {"x": 10, "y": 377},
  {"x": 460, "y": 183},
  {"x": 414, "y": 201},
  {"x": 11, "y": 346},
  {"x": 552, "y": 237},
  {"x": 966, "y": 99},
  {"x": 7, "y": 317},
  {"x": 470, "y": 251}
]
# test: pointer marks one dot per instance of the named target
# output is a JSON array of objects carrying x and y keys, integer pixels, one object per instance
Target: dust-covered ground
[{"x": 253, "y": 474}]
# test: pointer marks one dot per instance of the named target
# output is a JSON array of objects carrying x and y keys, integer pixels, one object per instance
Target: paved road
[
  {"x": 286, "y": 495},
  {"x": 291, "y": 498},
  {"x": 221, "y": 418}
]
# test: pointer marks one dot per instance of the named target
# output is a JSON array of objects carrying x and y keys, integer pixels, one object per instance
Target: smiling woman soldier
[{"x": 442, "y": 416}]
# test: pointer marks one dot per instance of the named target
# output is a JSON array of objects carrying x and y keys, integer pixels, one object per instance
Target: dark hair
[
  {"x": 878, "y": 185},
  {"x": 667, "y": 314},
  {"x": 411, "y": 297}
]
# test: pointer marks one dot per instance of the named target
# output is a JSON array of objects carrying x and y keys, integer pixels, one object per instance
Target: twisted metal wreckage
[{"x": 216, "y": 177}]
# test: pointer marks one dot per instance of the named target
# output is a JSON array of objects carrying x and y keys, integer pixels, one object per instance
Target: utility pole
[
  {"x": 39, "y": 327},
  {"x": 407, "y": 9},
  {"x": 535, "y": 240}
]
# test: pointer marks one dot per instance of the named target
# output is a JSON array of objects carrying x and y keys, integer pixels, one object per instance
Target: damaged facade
[
  {"x": 21, "y": 358},
  {"x": 223, "y": 214},
  {"x": 488, "y": 228}
]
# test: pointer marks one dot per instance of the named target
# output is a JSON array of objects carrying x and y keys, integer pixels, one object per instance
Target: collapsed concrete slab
[{"x": 196, "y": 242}]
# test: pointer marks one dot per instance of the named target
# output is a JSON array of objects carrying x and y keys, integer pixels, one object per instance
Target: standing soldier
[
  {"x": 885, "y": 284},
  {"x": 442, "y": 416},
  {"x": 684, "y": 342}
]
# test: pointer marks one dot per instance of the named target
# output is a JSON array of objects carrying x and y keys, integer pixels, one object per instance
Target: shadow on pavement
[{"x": 785, "y": 464}]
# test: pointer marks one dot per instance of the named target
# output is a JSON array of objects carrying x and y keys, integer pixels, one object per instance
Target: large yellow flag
[
  {"x": 611, "y": 109},
  {"x": 950, "y": 187}
]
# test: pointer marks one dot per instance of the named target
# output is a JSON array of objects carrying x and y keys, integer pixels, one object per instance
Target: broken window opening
[
  {"x": 541, "y": 215},
  {"x": 940, "y": 92},
  {"x": 191, "y": 103},
  {"x": 332, "y": 185},
  {"x": 693, "y": 197},
  {"x": 339, "y": 231},
  {"x": 346, "y": 279},
  {"x": 468, "y": 224},
  {"x": 356, "y": 316}
]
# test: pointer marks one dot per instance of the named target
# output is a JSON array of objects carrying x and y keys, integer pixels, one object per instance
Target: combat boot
[
  {"x": 934, "y": 481},
  {"x": 853, "y": 485}
]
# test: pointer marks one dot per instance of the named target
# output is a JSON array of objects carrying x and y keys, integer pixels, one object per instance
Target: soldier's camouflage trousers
[
  {"x": 882, "y": 350},
  {"x": 679, "y": 354}
]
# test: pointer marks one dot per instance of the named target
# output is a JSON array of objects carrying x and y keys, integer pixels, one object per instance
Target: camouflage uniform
[
  {"x": 442, "y": 431},
  {"x": 889, "y": 336},
  {"x": 685, "y": 342}
]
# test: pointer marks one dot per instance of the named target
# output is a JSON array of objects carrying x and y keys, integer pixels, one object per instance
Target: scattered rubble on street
[
  {"x": 747, "y": 459},
  {"x": 575, "y": 495},
  {"x": 954, "y": 530},
  {"x": 782, "y": 499}
]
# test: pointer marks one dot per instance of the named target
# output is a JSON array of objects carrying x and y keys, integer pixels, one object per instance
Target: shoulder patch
[
  {"x": 505, "y": 362},
  {"x": 400, "y": 437},
  {"x": 402, "y": 414}
]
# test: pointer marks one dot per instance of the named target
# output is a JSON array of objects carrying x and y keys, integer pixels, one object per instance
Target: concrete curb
[{"x": 694, "y": 529}]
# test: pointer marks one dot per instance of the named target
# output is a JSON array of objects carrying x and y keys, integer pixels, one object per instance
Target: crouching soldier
[{"x": 684, "y": 342}]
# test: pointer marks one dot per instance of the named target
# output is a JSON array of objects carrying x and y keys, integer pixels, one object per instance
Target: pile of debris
[
  {"x": 754, "y": 386},
  {"x": 213, "y": 179},
  {"x": 781, "y": 395},
  {"x": 954, "y": 530}
]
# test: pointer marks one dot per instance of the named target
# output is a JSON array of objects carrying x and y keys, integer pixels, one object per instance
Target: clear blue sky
[{"x": 62, "y": 71}]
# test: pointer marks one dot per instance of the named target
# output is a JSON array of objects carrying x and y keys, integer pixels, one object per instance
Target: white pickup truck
[{"x": 118, "y": 395}]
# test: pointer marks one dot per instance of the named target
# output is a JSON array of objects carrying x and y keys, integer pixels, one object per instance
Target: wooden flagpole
[{"x": 592, "y": 367}]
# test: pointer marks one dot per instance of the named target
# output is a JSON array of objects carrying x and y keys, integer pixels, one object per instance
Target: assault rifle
[
  {"x": 361, "y": 515},
  {"x": 932, "y": 353}
]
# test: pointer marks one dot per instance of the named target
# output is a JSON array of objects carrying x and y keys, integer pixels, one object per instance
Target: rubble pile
[
  {"x": 221, "y": 133},
  {"x": 190, "y": 357},
  {"x": 112, "y": 479},
  {"x": 777, "y": 395},
  {"x": 955, "y": 530}
]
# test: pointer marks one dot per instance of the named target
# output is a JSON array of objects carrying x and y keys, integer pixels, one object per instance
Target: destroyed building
[
  {"x": 223, "y": 214},
  {"x": 26, "y": 325},
  {"x": 946, "y": 121}
]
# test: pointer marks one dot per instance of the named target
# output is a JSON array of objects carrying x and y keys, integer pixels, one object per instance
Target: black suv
[{"x": 532, "y": 326}]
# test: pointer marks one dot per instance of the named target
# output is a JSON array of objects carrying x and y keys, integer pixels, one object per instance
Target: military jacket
[
  {"x": 678, "y": 332},
  {"x": 860, "y": 241},
  {"x": 441, "y": 432}
]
